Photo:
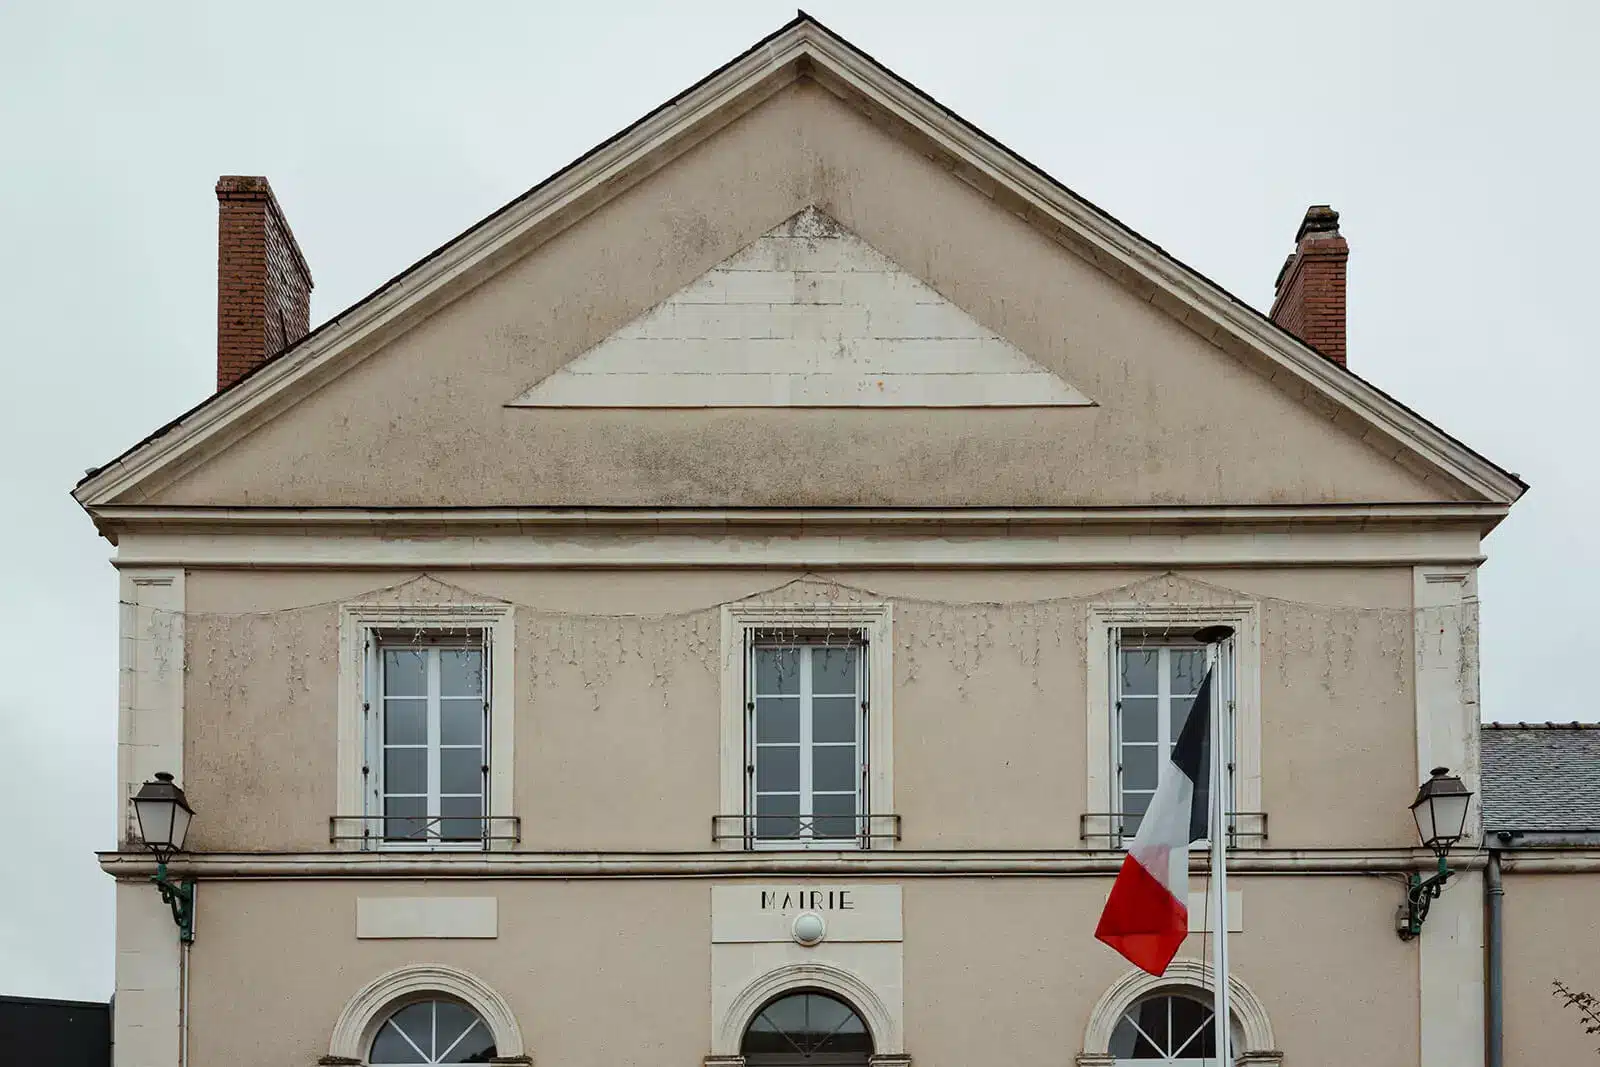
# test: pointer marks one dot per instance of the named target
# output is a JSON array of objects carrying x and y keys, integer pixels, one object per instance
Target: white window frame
[
  {"x": 1104, "y": 625},
  {"x": 741, "y": 624},
  {"x": 359, "y": 628}
]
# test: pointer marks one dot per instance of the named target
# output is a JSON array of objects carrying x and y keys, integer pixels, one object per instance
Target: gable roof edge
[{"x": 773, "y": 62}]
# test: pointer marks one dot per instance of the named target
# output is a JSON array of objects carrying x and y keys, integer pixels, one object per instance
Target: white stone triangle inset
[{"x": 808, "y": 315}]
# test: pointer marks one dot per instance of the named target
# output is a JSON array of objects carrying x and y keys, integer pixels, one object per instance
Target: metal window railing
[
  {"x": 1117, "y": 828},
  {"x": 805, "y": 831},
  {"x": 429, "y": 832}
]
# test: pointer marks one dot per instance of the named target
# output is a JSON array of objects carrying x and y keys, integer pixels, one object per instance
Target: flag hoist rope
[{"x": 1214, "y": 636}]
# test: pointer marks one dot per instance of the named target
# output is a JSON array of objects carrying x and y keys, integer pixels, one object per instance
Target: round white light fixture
[{"x": 809, "y": 929}]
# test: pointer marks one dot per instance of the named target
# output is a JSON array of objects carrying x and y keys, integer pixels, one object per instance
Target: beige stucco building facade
[{"x": 799, "y": 506}]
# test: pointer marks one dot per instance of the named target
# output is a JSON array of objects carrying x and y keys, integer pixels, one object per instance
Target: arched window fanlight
[
  {"x": 1167, "y": 1028},
  {"x": 806, "y": 1029},
  {"x": 432, "y": 1031}
]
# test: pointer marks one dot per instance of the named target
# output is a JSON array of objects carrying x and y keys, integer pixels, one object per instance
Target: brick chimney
[
  {"x": 263, "y": 283},
  {"x": 1310, "y": 287}
]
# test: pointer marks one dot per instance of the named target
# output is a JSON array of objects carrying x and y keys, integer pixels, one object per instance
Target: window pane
[
  {"x": 775, "y": 815},
  {"x": 460, "y": 770},
  {"x": 835, "y": 815},
  {"x": 1134, "y": 805},
  {"x": 833, "y": 718},
  {"x": 778, "y": 719},
  {"x": 404, "y": 818},
  {"x": 461, "y": 672},
  {"x": 461, "y": 818},
  {"x": 1128, "y": 1044},
  {"x": 833, "y": 670},
  {"x": 391, "y": 1047},
  {"x": 1138, "y": 766},
  {"x": 405, "y": 770},
  {"x": 777, "y": 671},
  {"x": 461, "y": 721},
  {"x": 405, "y": 672},
  {"x": 1139, "y": 671},
  {"x": 833, "y": 767},
  {"x": 451, "y": 1020},
  {"x": 1152, "y": 1017},
  {"x": 475, "y": 1046},
  {"x": 405, "y": 722},
  {"x": 1139, "y": 720},
  {"x": 1188, "y": 668},
  {"x": 1192, "y": 1031},
  {"x": 778, "y": 769}
]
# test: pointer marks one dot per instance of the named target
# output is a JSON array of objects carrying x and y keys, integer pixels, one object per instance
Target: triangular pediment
[
  {"x": 1084, "y": 365},
  {"x": 807, "y": 315}
]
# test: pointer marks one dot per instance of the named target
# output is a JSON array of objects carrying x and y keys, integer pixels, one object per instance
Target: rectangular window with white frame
[
  {"x": 426, "y": 701},
  {"x": 429, "y": 738},
  {"x": 806, "y": 728},
  {"x": 1145, "y": 670}
]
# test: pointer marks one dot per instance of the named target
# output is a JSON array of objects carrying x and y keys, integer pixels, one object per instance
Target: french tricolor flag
[{"x": 1147, "y": 914}]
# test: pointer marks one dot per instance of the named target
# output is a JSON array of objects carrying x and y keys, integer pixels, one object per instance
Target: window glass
[
  {"x": 801, "y": 1028},
  {"x": 807, "y": 744},
  {"x": 432, "y": 749},
  {"x": 1157, "y": 684},
  {"x": 1166, "y": 1028},
  {"x": 432, "y": 1031}
]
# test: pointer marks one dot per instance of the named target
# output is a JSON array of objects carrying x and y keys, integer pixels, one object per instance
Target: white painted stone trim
[
  {"x": 1182, "y": 975},
  {"x": 1245, "y": 618},
  {"x": 806, "y": 315},
  {"x": 151, "y": 668},
  {"x": 887, "y": 1030},
  {"x": 398, "y": 918},
  {"x": 802, "y": 548},
  {"x": 1450, "y": 949},
  {"x": 366, "y": 1011},
  {"x": 738, "y": 620},
  {"x": 356, "y": 621}
]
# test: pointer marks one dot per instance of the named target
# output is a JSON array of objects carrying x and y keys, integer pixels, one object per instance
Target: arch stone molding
[
  {"x": 361, "y": 1017},
  {"x": 888, "y": 1043},
  {"x": 1255, "y": 1029}
]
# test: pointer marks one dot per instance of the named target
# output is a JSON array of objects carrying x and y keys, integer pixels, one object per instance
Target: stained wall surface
[{"x": 617, "y": 718}]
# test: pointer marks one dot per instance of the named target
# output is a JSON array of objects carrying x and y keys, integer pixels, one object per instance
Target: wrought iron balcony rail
[
  {"x": 430, "y": 832},
  {"x": 800, "y": 831},
  {"x": 1117, "y": 828}
]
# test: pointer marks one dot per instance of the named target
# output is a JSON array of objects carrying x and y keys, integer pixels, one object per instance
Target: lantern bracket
[
  {"x": 1420, "y": 894},
  {"x": 179, "y": 896}
]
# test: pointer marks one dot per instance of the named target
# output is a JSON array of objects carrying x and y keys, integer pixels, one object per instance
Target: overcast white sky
[{"x": 1457, "y": 139}]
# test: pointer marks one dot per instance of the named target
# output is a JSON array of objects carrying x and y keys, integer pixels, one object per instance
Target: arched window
[
  {"x": 431, "y": 1031},
  {"x": 1168, "y": 1027},
  {"x": 806, "y": 1029}
]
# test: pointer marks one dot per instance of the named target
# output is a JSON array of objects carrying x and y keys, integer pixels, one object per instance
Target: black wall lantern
[
  {"x": 1440, "y": 811},
  {"x": 164, "y": 814}
]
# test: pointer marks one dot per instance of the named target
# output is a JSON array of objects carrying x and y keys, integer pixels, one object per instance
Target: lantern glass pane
[
  {"x": 155, "y": 820},
  {"x": 180, "y": 826},
  {"x": 1450, "y": 814}
]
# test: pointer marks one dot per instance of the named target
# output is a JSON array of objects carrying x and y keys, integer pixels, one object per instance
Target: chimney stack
[
  {"x": 263, "y": 283},
  {"x": 1310, "y": 287}
]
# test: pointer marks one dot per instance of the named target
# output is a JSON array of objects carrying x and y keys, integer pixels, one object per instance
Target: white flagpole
[{"x": 1219, "y": 854}]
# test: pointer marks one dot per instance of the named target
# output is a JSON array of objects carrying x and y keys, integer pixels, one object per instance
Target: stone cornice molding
[{"x": 903, "y": 863}]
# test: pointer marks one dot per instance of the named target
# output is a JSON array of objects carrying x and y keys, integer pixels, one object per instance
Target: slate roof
[{"x": 1541, "y": 777}]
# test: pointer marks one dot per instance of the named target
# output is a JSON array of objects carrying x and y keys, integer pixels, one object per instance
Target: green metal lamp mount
[{"x": 179, "y": 896}]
